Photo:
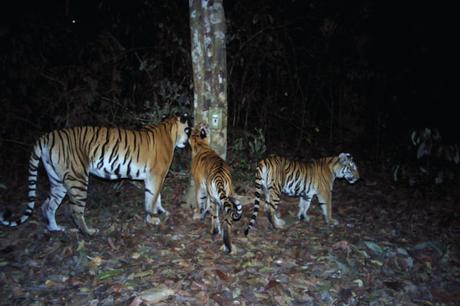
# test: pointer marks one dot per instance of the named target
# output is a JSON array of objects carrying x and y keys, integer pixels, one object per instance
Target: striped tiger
[
  {"x": 276, "y": 175},
  {"x": 70, "y": 155},
  {"x": 213, "y": 185}
]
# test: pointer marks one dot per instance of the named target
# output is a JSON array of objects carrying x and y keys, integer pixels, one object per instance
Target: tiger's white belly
[
  {"x": 289, "y": 191},
  {"x": 118, "y": 171},
  {"x": 290, "y": 188}
]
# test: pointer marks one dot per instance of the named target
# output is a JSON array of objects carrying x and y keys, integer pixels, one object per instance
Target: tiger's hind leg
[
  {"x": 204, "y": 203},
  {"x": 272, "y": 203},
  {"x": 215, "y": 222},
  {"x": 51, "y": 204},
  {"x": 57, "y": 193},
  {"x": 227, "y": 228},
  {"x": 77, "y": 189}
]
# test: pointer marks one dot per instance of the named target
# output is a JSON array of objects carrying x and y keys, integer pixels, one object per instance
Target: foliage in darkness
[{"x": 303, "y": 72}]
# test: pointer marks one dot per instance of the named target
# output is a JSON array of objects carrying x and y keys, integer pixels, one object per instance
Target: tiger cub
[
  {"x": 276, "y": 175},
  {"x": 213, "y": 185},
  {"x": 71, "y": 155}
]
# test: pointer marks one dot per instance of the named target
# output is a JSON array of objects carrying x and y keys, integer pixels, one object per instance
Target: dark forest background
[{"x": 308, "y": 77}]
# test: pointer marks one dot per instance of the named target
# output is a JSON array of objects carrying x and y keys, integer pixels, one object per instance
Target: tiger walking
[
  {"x": 70, "y": 155},
  {"x": 276, "y": 175},
  {"x": 213, "y": 186}
]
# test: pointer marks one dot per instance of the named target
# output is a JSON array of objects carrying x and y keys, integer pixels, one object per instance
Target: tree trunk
[{"x": 207, "y": 30}]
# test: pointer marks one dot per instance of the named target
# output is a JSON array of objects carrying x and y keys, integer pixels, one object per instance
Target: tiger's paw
[
  {"x": 226, "y": 250},
  {"x": 303, "y": 217},
  {"x": 55, "y": 228},
  {"x": 333, "y": 222},
  {"x": 196, "y": 216},
  {"x": 149, "y": 219},
  {"x": 203, "y": 214},
  {"x": 279, "y": 223},
  {"x": 92, "y": 231},
  {"x": 216, "y": 231},
  {"x": 163, "y": 211}
]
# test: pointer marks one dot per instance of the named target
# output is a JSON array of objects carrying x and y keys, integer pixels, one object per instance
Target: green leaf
[{"x": 109, "y": 274}]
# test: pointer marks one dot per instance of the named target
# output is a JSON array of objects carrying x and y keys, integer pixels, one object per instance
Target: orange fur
[
  {"x": 71, "y": 155},
  {"x": 276, "y": 175},
  {"x": 213, "y": 184}
]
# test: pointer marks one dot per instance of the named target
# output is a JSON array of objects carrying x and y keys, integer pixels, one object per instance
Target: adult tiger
[
  {"x": 213, "y": 185},
  {"x": 70, "y": 155},
  {"x": 276, "y": 175}
]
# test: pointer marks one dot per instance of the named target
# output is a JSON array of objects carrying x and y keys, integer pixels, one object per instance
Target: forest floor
[{"x": 393, "y": 245}]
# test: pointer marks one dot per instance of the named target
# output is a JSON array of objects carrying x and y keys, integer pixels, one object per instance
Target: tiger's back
[
  {"x": 213, "y": 185},
  {"x": 212, "y": 172},
  {"x": 110, "y": 153},
  {"x": 276, "y": 175}
]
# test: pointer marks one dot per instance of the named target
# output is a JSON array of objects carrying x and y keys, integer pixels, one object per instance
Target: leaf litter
[{"x": 390, "y": 248}]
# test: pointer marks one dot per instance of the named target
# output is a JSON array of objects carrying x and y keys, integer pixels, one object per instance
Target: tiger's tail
[
  {"x": 34, "y": 161},
  {"x": 237, "y": 212},
  {"x": 232, "y": 212},
  {"x": 258, "y": 185}
]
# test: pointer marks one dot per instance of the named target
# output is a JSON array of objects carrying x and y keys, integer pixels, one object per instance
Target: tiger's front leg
[
  {"x": 152, "y": 192},
  {"x": 326, "y": 208}
]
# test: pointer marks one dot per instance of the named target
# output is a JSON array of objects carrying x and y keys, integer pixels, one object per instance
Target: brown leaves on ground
[{"x": 390, "y": 247}]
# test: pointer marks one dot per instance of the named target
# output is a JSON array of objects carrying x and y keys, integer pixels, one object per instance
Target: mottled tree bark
[{"x": 207, "y": 30}]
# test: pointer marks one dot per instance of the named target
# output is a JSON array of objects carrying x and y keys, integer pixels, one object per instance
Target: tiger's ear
[
  {"x": 185, "y": 118},
  {"x": 203, "y": 130},
  {"x": 163, "y": 118},
  {"x": 344, "y": 157},
  {"x": 203, "y": 133}
]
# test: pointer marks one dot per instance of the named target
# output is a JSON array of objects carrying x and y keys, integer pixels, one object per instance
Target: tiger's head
[
  {"x": 184, "y": 128},
  {"x": 346, "y": 168},
  {"x": 199, "y": 136}
]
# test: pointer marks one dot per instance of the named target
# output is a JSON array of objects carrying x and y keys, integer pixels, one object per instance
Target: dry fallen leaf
[
  {"x": 136, "y": 302},
  {"x": 95, "y": 262},
  {"x": 156, "y": 295},
  {"x": 222, "y": 275},
  {"x": 305, "y": 263},
  {"x": 111, "y": 243}
]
